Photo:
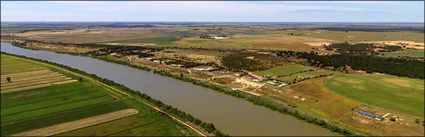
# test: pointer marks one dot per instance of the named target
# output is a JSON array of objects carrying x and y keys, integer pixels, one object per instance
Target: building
[
  {"x": 205, "y": 68},
  {"x": 256, "y": 77},
  {"x": 370, "y": 115},
  {"x": 282, "y": 84}
]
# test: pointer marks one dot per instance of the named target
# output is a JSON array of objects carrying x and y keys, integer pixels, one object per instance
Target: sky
[{"x": 214, "y": 11}]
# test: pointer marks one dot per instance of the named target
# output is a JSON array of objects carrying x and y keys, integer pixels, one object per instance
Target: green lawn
[
  {"x": 397, "y": 93},
  {"x": 309, "y": 74},
  {"x": 283, "y": 70},
  {"x": 407, "y": 52}
]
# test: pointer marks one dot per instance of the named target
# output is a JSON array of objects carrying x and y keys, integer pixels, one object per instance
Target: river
[{"x": 229, "y": 114}]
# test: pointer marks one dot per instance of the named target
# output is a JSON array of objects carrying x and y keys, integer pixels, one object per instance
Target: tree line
[{"x": 404, "y": 67}]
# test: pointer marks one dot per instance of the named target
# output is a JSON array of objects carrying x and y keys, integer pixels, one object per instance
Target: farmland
[
  {"x": 348, "y": 72},
  {"x": 400, "y": 94},
  {"x": 48, "y": 107},
  {"x": 284, "y": 70}
]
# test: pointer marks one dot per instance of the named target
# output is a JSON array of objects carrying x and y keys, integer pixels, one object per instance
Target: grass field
[
  {"x": 283, "y": 70},
  {"x": 309, "y": 74},
  {"x": 26, "y": 110},
  {"x": 407, "y": 52},
  {"x": 396, "y": 93}
]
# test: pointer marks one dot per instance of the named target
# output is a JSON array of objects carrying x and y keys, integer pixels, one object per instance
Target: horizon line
[{"x": 226, "y": 21}]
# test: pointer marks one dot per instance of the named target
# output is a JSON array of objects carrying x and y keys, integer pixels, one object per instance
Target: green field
[
  {"x": 396, "y": 93},
  {"x": 11, "y": 65},
  {"x": 36, "y": 108},
  {"x": 407, "y": 53},
  {"x": 283, "y": 70},
  {"x": 309, "y": 74}
]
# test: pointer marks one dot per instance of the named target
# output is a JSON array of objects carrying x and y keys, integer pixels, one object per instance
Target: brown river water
[{"x": 229, "y": 114}]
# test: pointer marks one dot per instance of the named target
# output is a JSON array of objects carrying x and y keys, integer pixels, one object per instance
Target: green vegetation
[
  {"x": 10, "y": 65},
  {"x": 64, "y": 116},
  {"x": 41, "y": 107},
  {"x": 284, "y": 70},
  {"x": 304, "y": 75},
  {"x": 396, "y": 93},
  {"x": 405, "y": 53},
  {"x": 251, "y": 61}
]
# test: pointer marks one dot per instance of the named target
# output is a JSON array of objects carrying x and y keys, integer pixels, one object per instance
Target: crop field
[
  {"x": 396, "y": 93},
  {"x": 358, "y": 36},
  {"x": 269, "y": 41},
  {"x": 308, "y": 74},
  {"x": 407, "y": 52},
  {"x": 24, "y": 75},
  {"x": 284, "y": 70},
  {"x": 154, "y": 40},
  {"x": 54, "y": 108},
  {"x": 300, "y": 40}
]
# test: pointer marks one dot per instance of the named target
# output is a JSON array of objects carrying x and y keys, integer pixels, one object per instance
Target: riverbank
[
  {"x": 202, "y": 128},
  {"x": 261, "y": 101},
  {"x": 191, "y": 95}
]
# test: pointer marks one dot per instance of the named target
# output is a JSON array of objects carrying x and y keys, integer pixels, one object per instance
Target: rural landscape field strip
[
  {"x": 53, "y": 109},
  {"x": 39, "y": 86},
  {"x": 51, "y": 102},
  {"x": 25, "y": 74},
  {"x": 69, "y": 126},
  {"x": 61, "y": 117},
  {"x": 34, "y": 82},
  {"x": 27, "y": 78}
]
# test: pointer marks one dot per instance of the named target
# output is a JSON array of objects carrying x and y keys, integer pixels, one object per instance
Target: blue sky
[{"x": 215, "y": 11}]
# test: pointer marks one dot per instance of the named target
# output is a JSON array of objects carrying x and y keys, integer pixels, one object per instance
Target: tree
[
  {"x": 9, "y": 79},
  {"x": 80, "y": 79}
]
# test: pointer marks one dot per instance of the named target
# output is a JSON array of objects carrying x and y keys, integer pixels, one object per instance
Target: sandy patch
[
  {"x": 317, "y": 44},
  {"x": 77, "y": 124}
]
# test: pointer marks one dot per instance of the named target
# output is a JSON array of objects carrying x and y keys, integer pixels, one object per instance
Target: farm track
[{"x": 77, "y": 124}]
